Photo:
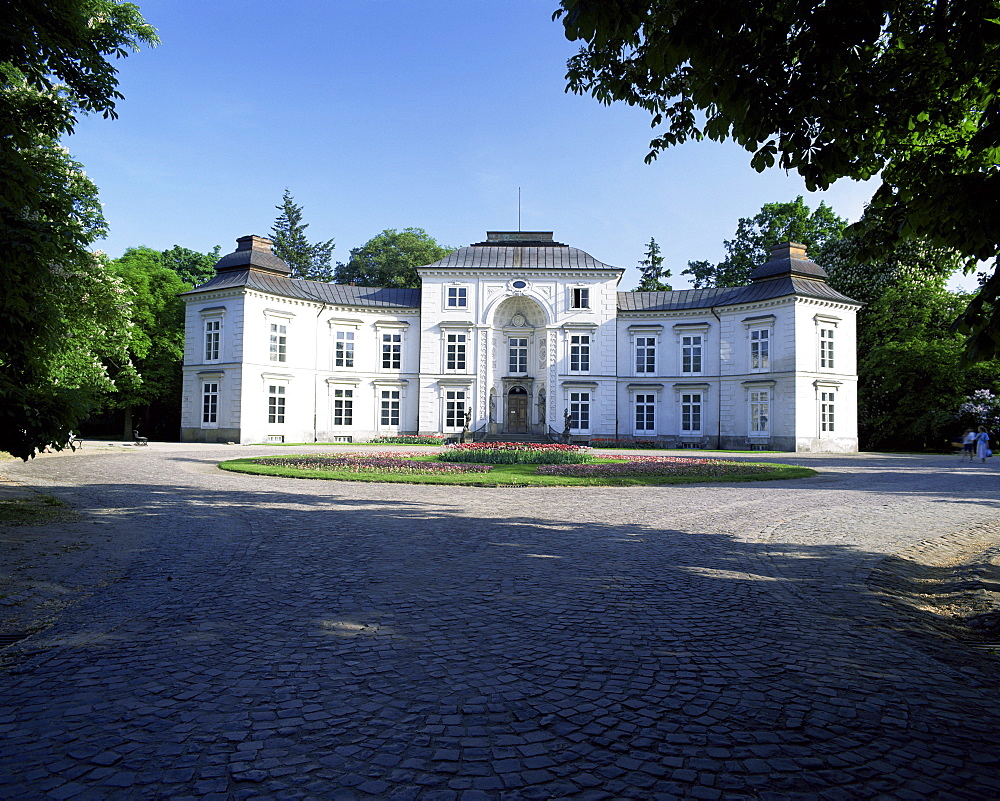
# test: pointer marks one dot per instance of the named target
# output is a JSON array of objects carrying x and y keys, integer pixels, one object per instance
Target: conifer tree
[
  {"x": 653, "y": 272},
  {"x": 309, "y": 261}
]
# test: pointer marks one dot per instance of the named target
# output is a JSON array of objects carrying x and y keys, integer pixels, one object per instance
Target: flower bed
[
  {"x": 651, "y": 466},
  {"x": 516, "y": 453},
  {"x": 372, "y": 463},
  {"x": 624, "y": 443},
  {"x": 409, "y": 439}
]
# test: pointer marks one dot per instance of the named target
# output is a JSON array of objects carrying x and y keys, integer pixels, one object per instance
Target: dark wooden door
[{"x": 517, "y": 414}]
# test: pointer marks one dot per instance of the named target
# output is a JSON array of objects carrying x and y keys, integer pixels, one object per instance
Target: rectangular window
[
  {"x": 213, "y": 334},
  {"x": 760, "y": 349},
  {"x": 691, "y": 353},
  {"x": 517, "y": 348},
  {"x": 826, "y": 411},
  {"x": 645, "y": 413},
  {"x": 210, "y": 402},
  {"x": 826, "y": 348},
  {"x": 760, "y": 411},
  {"x": 457, "y": 297},
  {"x": 343, "y": 407},
  {"x": 580, "y": 298},
  {"x": 645, "y": 355},
  {"x": 389, "y": 412},
  {"x": 579, "y": 353},
  {"x": 276, "y": 403},
  {"x": 344, "y": 352},
  {"x": 691, "y": 412},
  {"x": 579, "y": 411},
  {"x": 392, "y": 351},
  {"x": 455, "y": 353},
  {"x": 454, "y": 408},
  {"x": 279, "y": 342}
]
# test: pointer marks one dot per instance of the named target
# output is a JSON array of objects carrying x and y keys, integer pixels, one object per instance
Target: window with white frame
[
  {"x": 392, "y": 351},
  {"x": 343, "y": 407},
  {"x": 760, "y": 349},
  {"x": 454, "y": 408},
  {"x": 645, "y": 413},
  {"x": 343, "y": 354},
  {"x": 517, "y": 352},
  {"x": 580, "y": 298},
  {"x": 455, "y": 351},
  {"x": 579, "y": 411},
  {"x": 691, "y": 412},
  {"x": 458, "y": 297},
  {"x": 276, "y": 403},
  {"x": 389, "y": 408},
  {"x": 691, "y": 346},
  {"x": 213, "y": 339},
  {"x": 760, "y": 411},
  {"x": 210, "y": 403},
  {"x": 279, "y": 342},
  {"x": 826, "y": 348},
  {"x": 579, "y": 353},
  {"x": 645, "y": 355},
  {"x": 827, "y": 411}
]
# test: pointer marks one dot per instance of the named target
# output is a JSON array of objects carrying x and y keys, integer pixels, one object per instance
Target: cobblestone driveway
[{"x": 272, "y": 638}]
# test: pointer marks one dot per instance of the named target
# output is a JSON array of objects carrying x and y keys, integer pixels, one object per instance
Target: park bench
[{"x": 139, "y": 440}]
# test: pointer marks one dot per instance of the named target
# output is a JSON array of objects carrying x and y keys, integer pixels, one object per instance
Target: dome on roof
[
  {"x": 788, "y": 258},
  {"x": 253, "y": 252}
]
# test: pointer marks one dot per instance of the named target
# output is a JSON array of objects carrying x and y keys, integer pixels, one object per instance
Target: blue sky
[{"x": 395, "y": 113}]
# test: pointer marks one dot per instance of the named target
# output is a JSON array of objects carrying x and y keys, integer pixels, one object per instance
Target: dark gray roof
[
  {"x": 730, "y": 296},
  {"x": 318, "y": 291},
  {"x": 518, "y": 257}
]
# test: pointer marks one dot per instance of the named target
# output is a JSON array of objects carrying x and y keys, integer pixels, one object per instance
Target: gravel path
[{"x": 216, "y": 635}]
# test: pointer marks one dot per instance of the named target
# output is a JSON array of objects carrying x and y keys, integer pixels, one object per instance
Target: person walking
[
  {"x": 983, "y": 444},
  {"x": 968, "y": 444}
]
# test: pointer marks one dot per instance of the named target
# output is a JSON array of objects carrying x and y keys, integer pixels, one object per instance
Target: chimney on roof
[{"x": 254, "y": 242}]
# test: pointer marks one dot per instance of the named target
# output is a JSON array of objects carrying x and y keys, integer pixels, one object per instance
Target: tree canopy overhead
[
  {"x": 908, "y": 90},
  {"x": 54, "y": 64}
]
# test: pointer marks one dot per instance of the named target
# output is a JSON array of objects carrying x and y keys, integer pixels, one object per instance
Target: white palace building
[{"x": 526, "y": 336}]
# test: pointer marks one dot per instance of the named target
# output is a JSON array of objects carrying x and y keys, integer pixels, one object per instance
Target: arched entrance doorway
[{"x": 517, "y": 411}]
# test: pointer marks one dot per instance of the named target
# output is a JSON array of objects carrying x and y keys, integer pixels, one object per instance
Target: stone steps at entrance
[{"x": 538, "y": 438}]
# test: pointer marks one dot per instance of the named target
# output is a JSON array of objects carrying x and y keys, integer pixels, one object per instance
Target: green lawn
[{"x": 517, "y": 475}]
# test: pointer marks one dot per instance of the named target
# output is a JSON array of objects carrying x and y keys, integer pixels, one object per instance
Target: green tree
[
  {"x": 192, "y": 267},
  {"x": 910, "y": 376},
  {"x": 54, "y": 65},
  {"x": 755, "y": 236},
  {"x": 307, "y": 260},
  {"x": 907, "y": 90},
  {"x": 391, "y": 259},
  {"x": 156, "y": 350},
  {"x": 653, "y": 271}
]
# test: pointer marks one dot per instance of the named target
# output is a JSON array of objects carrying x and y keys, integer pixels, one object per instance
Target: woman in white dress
[{"x": 982, "y": 443}]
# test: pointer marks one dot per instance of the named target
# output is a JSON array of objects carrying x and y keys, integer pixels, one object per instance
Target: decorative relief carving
[
  {"x": 483, "y": 344},
  {"x": 555, "y": 400}
]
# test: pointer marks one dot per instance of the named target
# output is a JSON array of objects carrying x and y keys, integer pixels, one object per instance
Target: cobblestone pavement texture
[{"x": 273, "y": 638}]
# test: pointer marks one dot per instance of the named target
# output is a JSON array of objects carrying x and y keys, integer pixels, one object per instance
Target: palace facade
[{"x": 519, "y": 335}]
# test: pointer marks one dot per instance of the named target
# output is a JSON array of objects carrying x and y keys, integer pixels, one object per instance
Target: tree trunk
[{"x": 128, "y": 423}]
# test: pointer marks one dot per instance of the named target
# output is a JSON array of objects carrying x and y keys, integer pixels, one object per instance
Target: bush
[
  {"x": 624, "y": 443},
  {"x": 516, "y": 453}
]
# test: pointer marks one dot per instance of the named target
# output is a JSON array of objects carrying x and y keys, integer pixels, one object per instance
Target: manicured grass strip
[{"x": 507, "y": 475}]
